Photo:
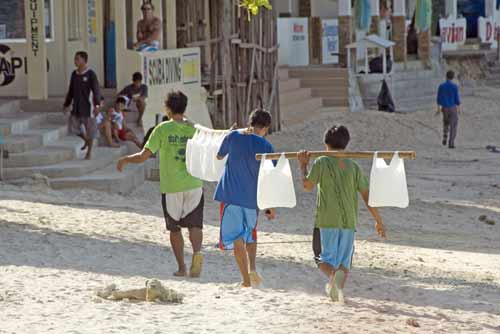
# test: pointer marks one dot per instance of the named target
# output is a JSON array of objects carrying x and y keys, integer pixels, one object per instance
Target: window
[
  {"x": 74, "y": 20},
  {"x": 12, "y": 20}
]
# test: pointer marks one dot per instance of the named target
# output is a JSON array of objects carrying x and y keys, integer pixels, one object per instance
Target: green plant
[{"x": 253, "y": 6}]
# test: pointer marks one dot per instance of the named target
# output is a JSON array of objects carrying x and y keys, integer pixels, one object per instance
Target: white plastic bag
[
  {"x": 388, "y": 183},
  {"x": 275, "y": 187},
  {"x": 201, "y": 155}
]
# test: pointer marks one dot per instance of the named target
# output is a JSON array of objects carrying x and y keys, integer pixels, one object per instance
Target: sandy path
[{"x": 440, "y": 266}]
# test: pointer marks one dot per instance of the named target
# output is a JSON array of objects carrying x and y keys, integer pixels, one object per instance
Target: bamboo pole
[{"x": 410, "y": 155}]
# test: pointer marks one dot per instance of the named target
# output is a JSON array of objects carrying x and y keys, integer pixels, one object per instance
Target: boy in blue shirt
[
  {"x": 237, "y": 192},
  {"x": 448, "y": 100}
]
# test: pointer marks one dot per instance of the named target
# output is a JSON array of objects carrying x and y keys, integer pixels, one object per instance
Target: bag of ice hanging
[
  {"x": 388, "y": 183},
  {"x": 275, "y": 187}
]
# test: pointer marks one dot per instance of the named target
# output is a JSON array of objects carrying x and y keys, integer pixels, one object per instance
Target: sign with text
[
  {"x": 488, "y": 31},
  {"x": 330, "y": 41},
  {"x": 293, "y": 38},
  {"x": 176, "y": 69},
  {"x": 453, "y": 33}
]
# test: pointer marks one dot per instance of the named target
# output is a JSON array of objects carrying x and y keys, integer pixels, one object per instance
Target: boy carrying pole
[{"x": 339, "y": 181}]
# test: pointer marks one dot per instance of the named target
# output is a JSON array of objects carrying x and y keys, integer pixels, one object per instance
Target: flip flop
[{"x": 196, "y": 265}]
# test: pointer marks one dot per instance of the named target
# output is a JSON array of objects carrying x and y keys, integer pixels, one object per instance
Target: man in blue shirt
[
  {"x": 448, "y": 101},
  {"x": 237, "y": 192}
]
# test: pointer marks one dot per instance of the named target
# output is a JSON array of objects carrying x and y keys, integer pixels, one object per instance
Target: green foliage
[{"x": 253, "y": 6}]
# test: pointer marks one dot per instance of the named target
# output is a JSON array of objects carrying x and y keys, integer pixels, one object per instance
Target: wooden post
[
  {"x": 226, "y": 62},
  {"x": 36, "y": 49}
]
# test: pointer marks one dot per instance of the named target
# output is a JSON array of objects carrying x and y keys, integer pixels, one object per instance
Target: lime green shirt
[
  {"x": 170, "y": 138},
  {"x": 339, "y": 182}
]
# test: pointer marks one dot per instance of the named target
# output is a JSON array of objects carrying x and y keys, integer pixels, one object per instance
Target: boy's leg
[
  {"x": 252, "y": 255},
  {"x": 177, "y": 243},
  {"x": 141, "y": 107},
  {"x": 133, "y": 138},
  {"x": 108, "y": 133},
  {"x": 446, "y": 125},
  {"x": 91, "y": 132},
  {"x": 453, "y": 127},
  {"x": 250, "y": 223},
  {"x": 240, "y": 254},
  {"x": 316, "y": 245}
]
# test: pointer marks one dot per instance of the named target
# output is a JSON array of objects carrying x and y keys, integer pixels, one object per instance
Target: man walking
[
  {"x": 448, "y": 101},
  {"x": 85, "y": 95}
]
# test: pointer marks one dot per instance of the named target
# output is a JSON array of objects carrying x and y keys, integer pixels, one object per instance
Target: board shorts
[
  {"x": 337, "y": 247},
  {"x": 183, "y": 209},
  {"x": 237, "y": 223},
  {"x": 82, "y": 126},
  {"x": 153, "y": 46},
  {"x": 122, "y": 134}
]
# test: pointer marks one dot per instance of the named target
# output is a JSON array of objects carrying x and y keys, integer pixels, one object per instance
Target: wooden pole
[{"x": 411, "y": 155}]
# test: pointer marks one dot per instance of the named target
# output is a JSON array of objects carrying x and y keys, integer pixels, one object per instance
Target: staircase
[
  {"x": 38, "y": 143},
  {"x": 493, "y": 74},
  {"x": 413, "y": 87},
  {"x": 306, "y": 91}
]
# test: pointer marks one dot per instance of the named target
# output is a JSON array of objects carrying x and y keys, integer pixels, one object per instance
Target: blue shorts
[
  {"x": 337, "y": 247},
  {"x": 237, "y": 223}
]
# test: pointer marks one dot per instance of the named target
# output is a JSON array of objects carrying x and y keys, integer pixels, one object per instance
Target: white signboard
[
  {"x": 330, "y": 41},
  {"x": 175, "y": 69},
  {"x": 293, "y": 38},
  {"x": 488, "y": 30},
  {"x": 453, "y": 33}
]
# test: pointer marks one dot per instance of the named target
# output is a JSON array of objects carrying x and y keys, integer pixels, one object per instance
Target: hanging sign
[
  {"x": 488, "y": 31},
  {"x": 293, "y": 38},
  {"x": 453, "y": 33},
  {"x": 330, "y": 41}
]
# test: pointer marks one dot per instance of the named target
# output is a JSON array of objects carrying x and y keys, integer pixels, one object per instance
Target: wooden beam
[{"x": 411, "y": 155}]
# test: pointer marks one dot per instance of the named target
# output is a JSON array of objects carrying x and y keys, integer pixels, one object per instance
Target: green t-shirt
[
  {"x": 337, "y": 202},
  {"x": 170, "y": 138}
]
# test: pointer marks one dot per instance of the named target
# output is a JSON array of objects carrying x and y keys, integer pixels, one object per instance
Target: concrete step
[
  {"x": 288, "y": 85},
  {"x": 106, "y": 179},
  {"x": 40, "y": 157},
  {"x": 319, "y": 73},
  {"x": 332, "y": 91},
  {"x": 323, "y": 82},
  {"x": 336, "y": 101},
  {"x": 18, "y": 122},
  {"x": 8, "y": 107},
  {"x": 294, "y": 96},
  {"x": 283, "y": 73},
  {"x": 102, "y": 157},
  {"x": 31, "y": 139},
  {"x": 493, "y": 82},
  {"x": 301, "y": 109},
  {"x": 300, "y": 119}
]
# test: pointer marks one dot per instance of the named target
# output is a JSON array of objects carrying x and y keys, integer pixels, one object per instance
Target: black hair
[
  {"x": 82, "y": 54},
  {"x": 450, "y": 75},
  {"x": 121, "y": 99},
  {"x": 177, "y": 102},
  {"x": 260, "y": 118},
  {"x": 137, "y": 76},
  {"x": 337, "y": 137},
  {"x": 145, "y": 3}
]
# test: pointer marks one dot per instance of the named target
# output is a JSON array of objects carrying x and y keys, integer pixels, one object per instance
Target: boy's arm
[
  {"x": 379, "y": 224},
  {"x": 224, "y": 148},
  {"x": 304, "y": 157},
  {"x": 137, "y": 158},
  {"x": 69, "y": 95}
]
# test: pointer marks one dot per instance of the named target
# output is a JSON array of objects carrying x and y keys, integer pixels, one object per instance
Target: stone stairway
[
  {"x": 38, "y": 143},
  {"x": 306, "y": 91},
  {"x": 413, "y": 87}
]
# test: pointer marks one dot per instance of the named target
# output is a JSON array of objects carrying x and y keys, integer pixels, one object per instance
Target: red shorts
[{"x": 122, "y": 134}]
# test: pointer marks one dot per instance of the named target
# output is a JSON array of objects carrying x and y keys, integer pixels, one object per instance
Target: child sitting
[{"x": 338, "y": 181}]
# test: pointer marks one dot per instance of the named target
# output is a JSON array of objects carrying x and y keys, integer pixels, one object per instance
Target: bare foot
[
  {"x": 255, "y": 279},
  {"x": 88, "y": 156},
  {"x": 181, "y": 273},
  {"x": 246, "y": 285}
]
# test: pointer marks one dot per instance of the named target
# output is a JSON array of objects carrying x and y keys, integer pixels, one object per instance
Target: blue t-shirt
[
  {"x": 238, "y": 185},
  {"x": 448, "y": 96}
]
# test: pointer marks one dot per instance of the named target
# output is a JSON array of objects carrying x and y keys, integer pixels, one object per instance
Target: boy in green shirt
[
  {"x": 339, "y": 181},
  {"x": 182, "y": 194}
]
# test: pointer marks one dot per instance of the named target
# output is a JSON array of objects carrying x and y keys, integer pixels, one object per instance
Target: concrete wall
[
  {"x": 326, "y": 9},
  {"x": 60, "y": 51}
]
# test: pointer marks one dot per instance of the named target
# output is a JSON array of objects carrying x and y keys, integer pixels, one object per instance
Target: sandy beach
[{"x": 438, "y": 269}]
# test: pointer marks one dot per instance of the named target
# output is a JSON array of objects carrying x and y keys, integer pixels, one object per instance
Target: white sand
[{"x": 440, "y": 265}]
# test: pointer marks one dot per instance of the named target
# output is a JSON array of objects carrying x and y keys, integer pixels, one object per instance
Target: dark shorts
[
  {"x": 82, "y": 126},
  {"x": 192, "y": 220}
]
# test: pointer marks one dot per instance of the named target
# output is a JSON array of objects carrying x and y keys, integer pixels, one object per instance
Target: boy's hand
[
  {"x": 121, "y": 164},
  {"x": 303, "y": 157},
  {"x": 380, "y": 228},
  {"x": 271, "y": 214}
]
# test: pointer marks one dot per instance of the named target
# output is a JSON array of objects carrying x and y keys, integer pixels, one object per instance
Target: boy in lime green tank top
[
  {"x": 182, "y": 194},
  {"x": 339, "y": 181}
]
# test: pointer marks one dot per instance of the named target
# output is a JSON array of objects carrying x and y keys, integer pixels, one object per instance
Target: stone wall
[
  {"x": 345, "y": 37},
  {"x": 424, "y": 47},
  {"x": 305, "y": 8},
  {"x": 399, "y": 37}
]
